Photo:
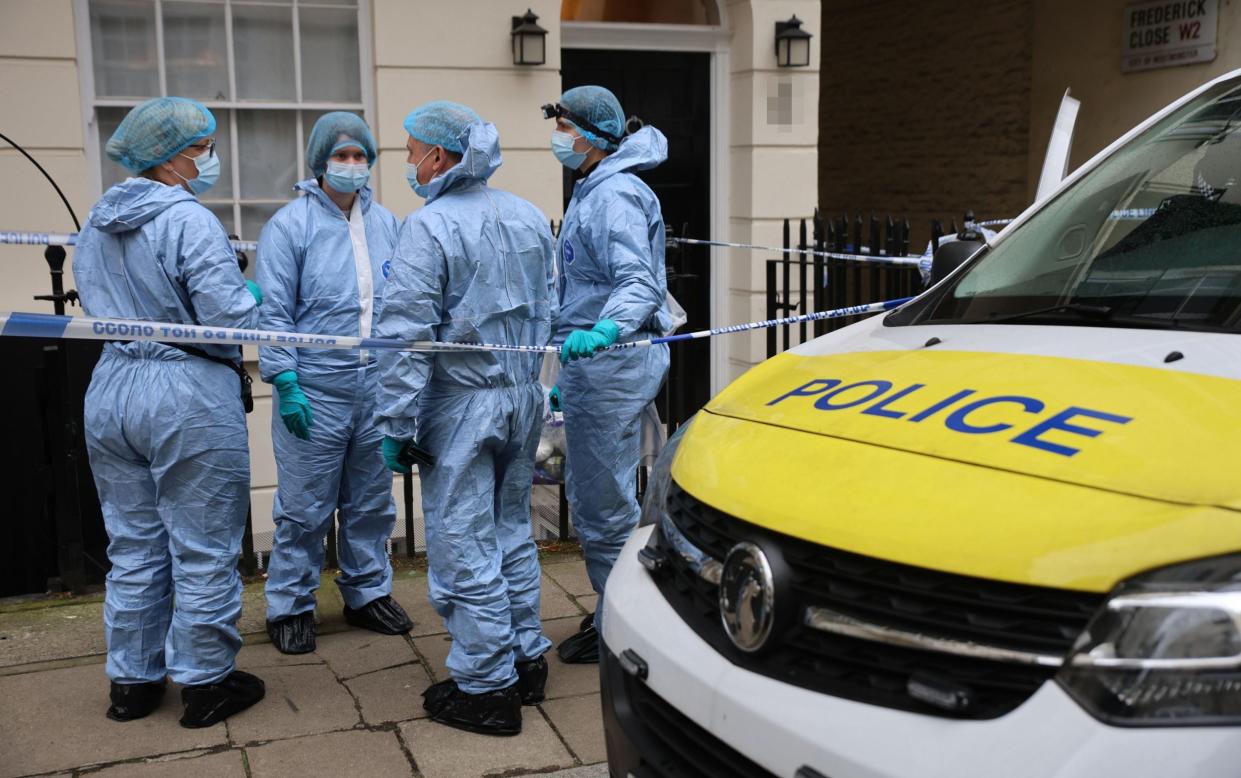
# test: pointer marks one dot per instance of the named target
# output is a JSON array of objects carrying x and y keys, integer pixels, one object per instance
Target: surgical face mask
[
  {"x": 411, "y": 175},
  {"x": 208, "y": 166},
  {"x": 562, "y": 148},
  {"x": 347, "y": 176}
]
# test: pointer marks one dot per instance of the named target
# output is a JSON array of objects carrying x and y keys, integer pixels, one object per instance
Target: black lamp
[
  {"x": 529, "y": 40},
  {"x": 792, "y": 44}
]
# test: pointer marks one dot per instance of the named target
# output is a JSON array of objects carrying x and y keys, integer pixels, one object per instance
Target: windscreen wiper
[{"x": 1083, "y": 310}]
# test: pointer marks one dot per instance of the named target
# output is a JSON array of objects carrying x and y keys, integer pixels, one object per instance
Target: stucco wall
[
  {"x": 772, "y": 156},
  {"x": 468, "y": 59},
  {"x": 42, "y": 112}
]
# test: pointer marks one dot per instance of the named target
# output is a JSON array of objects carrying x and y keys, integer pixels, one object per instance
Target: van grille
[{"x": 1033, "y": 619}]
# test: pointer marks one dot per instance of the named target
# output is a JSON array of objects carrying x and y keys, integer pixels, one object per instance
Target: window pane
[
  {"x": 195, "y": 50},
  {"x": 109, "y": 120},
  {"x": 330, "y": 55},
  {"x": 263, "y": 45},
  {"x": 223, "y": 212},
  {"x": 253, "y": 217},
  {"x": 123, "y": 48},
  {"x": 223, "y": 188},
  {"x": 267, "y": 145}
]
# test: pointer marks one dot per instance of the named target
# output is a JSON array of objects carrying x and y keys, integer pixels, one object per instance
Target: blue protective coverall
[
  {"x": 610, "y": 262},
  {"x": 473, "y": 264},
  {"x": 166, "y": 434},
  {"x": 310, "y": 276}
]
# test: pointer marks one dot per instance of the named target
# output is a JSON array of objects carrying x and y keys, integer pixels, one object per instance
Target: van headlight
[
  {"x": 1165, "y": 650},
  {"x": 654, "y": 504}
]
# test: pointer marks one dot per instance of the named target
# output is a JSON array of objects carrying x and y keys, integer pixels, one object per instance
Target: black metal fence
[{"x": 809, "y": 282}]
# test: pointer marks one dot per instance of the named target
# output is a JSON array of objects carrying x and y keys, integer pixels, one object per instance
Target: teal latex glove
[
  {"x": 553, "y": 399},
  {"x": 391, "y": 450},
  {"x": 254, "y": 290},
  {"x": 582, "y": 344},
  {"x": 294, "y": 407}
]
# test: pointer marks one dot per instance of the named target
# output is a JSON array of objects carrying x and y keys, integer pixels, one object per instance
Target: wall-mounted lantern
[
  {"x": 792, "y": 44},
  {"x": 529, "y": 40}
]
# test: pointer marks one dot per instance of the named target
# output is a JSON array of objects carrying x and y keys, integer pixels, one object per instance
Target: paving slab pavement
[
  {"x": 590, "y": 771},
  {"x": 390, "y": 695},
  {"x": 570, "y": 576},
  {"x": 442, "y": 752},
  {"x": 353, "y": 706},
  {"x": 59, "y": 632},
  {"x": 357, "y": 652},
  {"x": 55, "y": 721},
  {"x": 301, "y": 700},
  {"x": 377, "y": 754},
  {"x": 579, "y": 722},
  {"x": 221, "y": 764}
]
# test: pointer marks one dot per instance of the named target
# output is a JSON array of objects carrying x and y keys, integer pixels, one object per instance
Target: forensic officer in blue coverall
[
  {"x": 322, "y": 260},
  {"x": 473, "y": 264},
  {"x": 612, "y": 288},
  {"x": 165, "y": 425}
]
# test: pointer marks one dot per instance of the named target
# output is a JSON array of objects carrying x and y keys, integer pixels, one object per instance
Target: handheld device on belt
[{"x": 411, "y": 455}]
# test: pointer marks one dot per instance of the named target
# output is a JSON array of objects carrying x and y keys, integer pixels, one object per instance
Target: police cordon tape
[
  {"x": 42, "y": 325},
  {"x": 71, "y": 239},
  {"x": 877, "y": 259}
]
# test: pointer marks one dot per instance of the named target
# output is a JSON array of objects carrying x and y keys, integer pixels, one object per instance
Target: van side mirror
[{"x": 950, "y": 256}]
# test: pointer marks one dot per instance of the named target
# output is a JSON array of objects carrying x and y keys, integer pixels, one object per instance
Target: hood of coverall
[
  {"x": 480, "y": 160},
  {"x": 132, "y": 203},
  {"x": 645, "y": 149}
]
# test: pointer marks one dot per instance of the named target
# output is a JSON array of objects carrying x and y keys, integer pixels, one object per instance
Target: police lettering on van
[{"x": 915, "y": 403}]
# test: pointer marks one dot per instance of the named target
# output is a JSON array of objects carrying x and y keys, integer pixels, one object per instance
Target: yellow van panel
[
  {"x": 939, "y": 513},
  {"x": 1143, "y": 431}
]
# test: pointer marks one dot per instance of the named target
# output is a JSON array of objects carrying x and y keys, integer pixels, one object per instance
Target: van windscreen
[{"x": 1149, "y": 238}]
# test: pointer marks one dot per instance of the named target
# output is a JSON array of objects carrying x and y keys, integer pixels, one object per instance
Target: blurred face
[
  {"x": 580, "y": 143},
  {"x": 350, "y": 155},
  {"x": 431, "y": 160},
  {"x": 181, "y": 167}
]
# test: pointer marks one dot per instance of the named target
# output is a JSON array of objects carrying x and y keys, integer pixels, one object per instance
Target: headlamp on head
[{"x": 558, "y": 111}]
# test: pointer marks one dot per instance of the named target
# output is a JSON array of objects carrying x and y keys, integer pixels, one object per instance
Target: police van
[{"x": 994, "y": 532}]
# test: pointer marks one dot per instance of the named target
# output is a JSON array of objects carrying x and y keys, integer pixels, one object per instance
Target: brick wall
[{"x": 924, "y": 108}]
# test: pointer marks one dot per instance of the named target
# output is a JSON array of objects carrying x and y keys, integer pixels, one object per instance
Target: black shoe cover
[
  {"x": 531, "y": 678},
  {"x": 383, "y": 615},
  {"x": 293, "y": 634},
  {"x": 134, "y": 700},
  {"x": 490, "y": 713},
  {"x": 211, "y": 703},
  {"x": 582, "y": 648}
]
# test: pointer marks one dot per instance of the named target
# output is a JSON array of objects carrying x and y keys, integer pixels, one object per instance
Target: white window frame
[{"x": 89, "y": 103}]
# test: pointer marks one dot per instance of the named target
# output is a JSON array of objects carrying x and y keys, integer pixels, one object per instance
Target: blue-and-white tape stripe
[
  {"x": 874, "y": 259},
  {"x": 42, "y": 325},
  {"x": 71, "y": 239}
]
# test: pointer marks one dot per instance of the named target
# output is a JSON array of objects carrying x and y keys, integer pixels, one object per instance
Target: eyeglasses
[{"x": 209, "y": 147}]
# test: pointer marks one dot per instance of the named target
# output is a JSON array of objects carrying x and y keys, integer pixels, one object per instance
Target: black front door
[{"x": 670, "y": 91}]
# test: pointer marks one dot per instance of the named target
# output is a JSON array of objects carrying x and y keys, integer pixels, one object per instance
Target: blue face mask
[
  {"x": 347, "y": 176},
  {"x": 208, "y": 166},
  {"x": 411, "y": 175},
  {"x": 562, "y": 148}
]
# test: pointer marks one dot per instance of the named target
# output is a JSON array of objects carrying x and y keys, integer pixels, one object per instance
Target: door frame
[{"x": 713, "y": 40}]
